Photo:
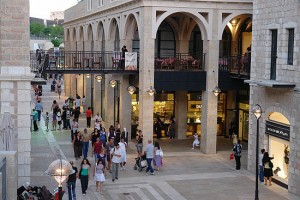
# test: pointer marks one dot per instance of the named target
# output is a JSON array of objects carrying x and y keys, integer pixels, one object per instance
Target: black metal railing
[
  {"x": 3, "y": 174},
  {"x": 236, "y": 64},
  {"x": 179, "y": 61}
]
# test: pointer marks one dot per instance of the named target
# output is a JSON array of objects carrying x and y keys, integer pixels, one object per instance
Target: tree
[
  {"x": 47, "y": 31},
  {"x": 57, "y": 31},
  {"x": 36, "y": 28},
  {"x": 56, "y": 42}
]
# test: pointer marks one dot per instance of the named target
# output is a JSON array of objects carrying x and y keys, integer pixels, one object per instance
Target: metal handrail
[{"x": 236, "y": 64}]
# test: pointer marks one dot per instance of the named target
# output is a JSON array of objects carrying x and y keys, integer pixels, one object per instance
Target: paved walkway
[{"x": 187, "y": 174}]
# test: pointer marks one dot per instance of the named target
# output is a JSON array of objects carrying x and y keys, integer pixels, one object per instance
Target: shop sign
[{"x": 278, "y": 130}]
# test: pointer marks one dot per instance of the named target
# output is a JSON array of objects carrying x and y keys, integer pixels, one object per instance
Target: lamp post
[
  {"x": 113, "y": 84},
  {"x": 257, "y": 111},
  {"x": 60, "y": 169}
]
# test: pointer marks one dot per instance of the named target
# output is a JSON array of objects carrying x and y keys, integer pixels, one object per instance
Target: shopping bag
[{"x": 231, "y": 157}]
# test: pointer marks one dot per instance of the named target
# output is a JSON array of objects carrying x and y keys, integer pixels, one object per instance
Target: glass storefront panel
[
  {"x": 221, "y": 114},
  {"x": 194, "y": 114},
  {"x": 243, "y": 121},
  {"x": 280, "y": 149}
]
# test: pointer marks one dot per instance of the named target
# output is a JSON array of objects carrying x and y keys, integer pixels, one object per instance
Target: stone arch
[
  {"x": 80, "y": 34},
  {"x": 199, "y": 19},
  {"x": 278, "y": 109},
  {"x": 113, "y": 25},
  {"x": 73, "y": 34},
  {"x": 230, "y": 17},
  {"x": 89, "y": 33},
  {"x": 100, "y": 33},
  {"x": 67, "y": 35},
  {"x": 131, "y": 24}
]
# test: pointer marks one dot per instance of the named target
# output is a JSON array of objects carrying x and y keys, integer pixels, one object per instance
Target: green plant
[{"x": 56, "y": 42}]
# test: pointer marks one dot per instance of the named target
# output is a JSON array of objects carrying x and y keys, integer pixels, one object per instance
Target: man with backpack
[{"x": 237, "y": 150}]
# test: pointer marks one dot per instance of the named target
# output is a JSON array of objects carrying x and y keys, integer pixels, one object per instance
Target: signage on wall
[{"x": 278, "y": 130}]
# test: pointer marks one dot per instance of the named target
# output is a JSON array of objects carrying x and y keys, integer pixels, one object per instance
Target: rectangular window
[
  {"x": 100, "y": 3},
  {"x": 273, "y": 54},
  {"x": 89, "y": 5},
  {"x": 290, "y": 46}
]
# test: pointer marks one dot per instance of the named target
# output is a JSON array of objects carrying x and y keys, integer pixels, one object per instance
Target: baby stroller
[{"x": 140, "y": 163}]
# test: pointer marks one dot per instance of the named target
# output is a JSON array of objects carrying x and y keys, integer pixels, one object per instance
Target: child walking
[
  {"x": 196, "y": 141},
  {"x": 99, "y": 176}
]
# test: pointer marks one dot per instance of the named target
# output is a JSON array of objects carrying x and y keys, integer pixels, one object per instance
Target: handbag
[
  {"x": 231, "y": 157},
  {"x": 161, "y": 153}
]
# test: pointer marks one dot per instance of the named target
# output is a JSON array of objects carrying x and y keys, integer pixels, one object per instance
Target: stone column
[
  {"x": 209, "y": 100},
  {"x": 109, "y": 101},
  {"x": 11, "y": 173},
  {"x": 125, "y": 104},
  {"x": 15, "y": 78},
  {"x": 181, "y": 114},
  {"x": 67, "y": 84},
  {"x": 146, "y": 75}
]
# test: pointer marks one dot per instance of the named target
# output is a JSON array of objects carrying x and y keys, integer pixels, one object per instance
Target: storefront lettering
[{"x": 278, "y": 130}]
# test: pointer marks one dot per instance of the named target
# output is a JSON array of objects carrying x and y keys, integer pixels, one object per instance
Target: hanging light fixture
[
  {"x": 216, "y": 91},
  {"x": 151, "y": 91},
  {"x": 88, "y": 75},
  {"x": 131, "y": 89},
  {"x": 99, "y": 78},
  {"x": 113, "y": 83}
]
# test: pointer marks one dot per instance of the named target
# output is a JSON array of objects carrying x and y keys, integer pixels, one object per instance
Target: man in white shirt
[
  {"x": 116, "y": 158},
  {"x": 261, "y": 167}
]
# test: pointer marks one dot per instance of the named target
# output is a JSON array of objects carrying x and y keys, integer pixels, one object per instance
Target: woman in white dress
[
  {"x": 99, "y": 176},
  {"x": 123, "y": 146}
]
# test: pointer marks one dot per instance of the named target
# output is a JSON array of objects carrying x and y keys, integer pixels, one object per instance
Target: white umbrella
[{"x": 6, "y": 131}]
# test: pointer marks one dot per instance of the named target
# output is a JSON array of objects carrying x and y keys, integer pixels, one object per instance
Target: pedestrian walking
[
  {"x": 102, "y": 156},
  {"x": 109, "y": 148},
  {"x": 74, "y": 128},
  {"x": 97, "y": 147},
  {"x": 68, "y": 118},
  {"x": 88, "y": 114},
  {"x": 149, "y": 156},
  {"x": 85, "y": 140},
  {"x": 237, "y": 150},
  {"x": 54, "y": 121},
  {"x": 35, "y": 119},
  {"x": 58, "y": 85},
  {"x": 99, "y": 176},
  {"x": 103, "y": 137},
  {"x": 171, "y": 132},
  {"x": 116, "y": 158},
  {"x": 268, "y": 171},
  {"x": 196, "y": 141},
  {"x": 261, "y": 166},
  {"x": 139, "y": 143},
  {"x": 84, "y": 174},
  {"x": 77, "y": 101},
  {"x": 117, "y": 132},
  {"x": 157, "y": 161},
  {"x": 76, "y": 114},
  {"x": 64, "y": 119},
  {"x": 123, "y": 148},
  {"x": 111, "y": 134},
  {"x": 39, "y": 109},
  {"x": 58, "y": 115},
  {"x": 158, "y": 127},
  {"x": 77, "y": 145},
  {"x": 71, "y": 182},
  {"x": 98, "y": 117},
  {"x": 94, "y": 136},
  {"x": 47, "y": 121},
  {"x": 97, "y": 125},
  {"x": 124, "y": 135}
]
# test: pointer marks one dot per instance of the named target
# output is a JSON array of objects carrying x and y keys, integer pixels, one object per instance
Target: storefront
[
  {"x": 164, "y": 109},
  {"x": 278, "y": 130}
]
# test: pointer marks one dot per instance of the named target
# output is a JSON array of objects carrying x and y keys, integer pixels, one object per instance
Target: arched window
[
  {"x": 165, "y": 44},
  {"x": 196, "y": 43},
  {"x": 117, "y": 40}
]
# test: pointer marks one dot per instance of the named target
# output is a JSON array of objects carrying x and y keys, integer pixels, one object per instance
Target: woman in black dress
[{"x": 268, "y": 171}]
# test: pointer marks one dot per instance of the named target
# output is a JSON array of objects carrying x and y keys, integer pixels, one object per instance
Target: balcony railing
[
  {"x": 237, "y": 65},
  {"x": 179, "y": 62}
]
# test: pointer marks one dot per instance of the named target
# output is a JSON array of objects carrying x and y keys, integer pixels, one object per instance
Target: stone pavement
[{"x": 187, "y": 174}]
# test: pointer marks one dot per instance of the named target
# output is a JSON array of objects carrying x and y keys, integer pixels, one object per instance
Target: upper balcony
[{"x": 238, "y": 66}]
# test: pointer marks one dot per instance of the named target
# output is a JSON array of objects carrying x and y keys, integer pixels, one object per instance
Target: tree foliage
[
  {"x": 56, "y": 42},
  {"x": 36, "y": 28},
  {"x": 39, "y": 29}
]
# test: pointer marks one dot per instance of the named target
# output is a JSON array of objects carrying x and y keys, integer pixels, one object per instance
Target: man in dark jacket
[{"x": 71, "y": 182}]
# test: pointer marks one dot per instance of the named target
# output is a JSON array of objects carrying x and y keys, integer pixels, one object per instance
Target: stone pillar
[
  {"x": 15, "y": 78},
  {"x": 209, "y": 100},
  {"x": 11, "y": 173},
  {"x": 146, "y": 75},
  {"x": 109, "y": 101},
  {"x": 125, "y": 104},
  {"x": 181, "y": 114},
  {"x": 67, "y": 84}
]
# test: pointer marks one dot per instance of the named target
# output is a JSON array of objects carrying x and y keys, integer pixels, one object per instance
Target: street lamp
[
  {"x": 60, "y": 170},
  {"x": 257, "y": 111},
  {"x": 151, "y": 91},
  {"x": 216, "y": 91}
]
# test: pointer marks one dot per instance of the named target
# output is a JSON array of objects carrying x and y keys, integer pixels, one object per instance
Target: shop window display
[{"x": 280, "y": 149}]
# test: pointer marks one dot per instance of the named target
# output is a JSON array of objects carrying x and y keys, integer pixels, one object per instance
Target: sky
[{"x": 42, "y": 8}]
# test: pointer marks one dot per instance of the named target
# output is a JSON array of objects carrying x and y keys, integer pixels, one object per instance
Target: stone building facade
[
  {"x": 15, "y": 82},
  {"x": 274, "y": 85},
  {"x": 108, "y": 25}
]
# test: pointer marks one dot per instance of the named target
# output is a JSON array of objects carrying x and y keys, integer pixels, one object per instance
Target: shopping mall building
[
  {"x": 274, "y": 85},
  {"x": 184, "y": 50}
]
